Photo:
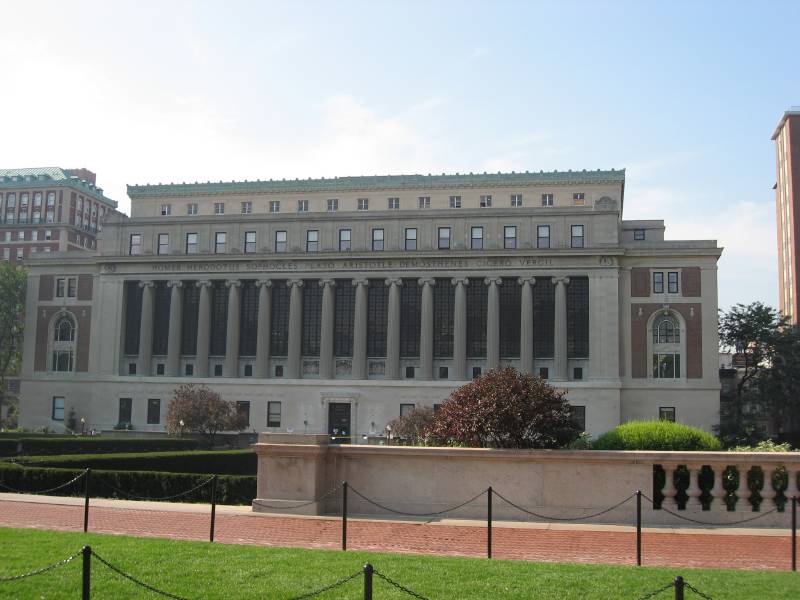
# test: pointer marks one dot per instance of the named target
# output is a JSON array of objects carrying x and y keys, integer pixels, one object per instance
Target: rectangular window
[
  {"x": 249, "y": 242},
  {"x": 411, "y": 238},
  {"x": 34, "y": 235},
  {"x": 476, "y": 372},
  {"x": 577, "y": 373},
  {"x": 344, "y": 240},
  {"x": 248, "y": 370},
  {"x": 6, "y": 253},
  {"x": 191, "y": 209},
  {"x": 363, "y": 204},
  {"x": 274, "y": 206},
  {"x": 217, "y": 370},
  {"x": 543, "y": 236},
  {"x": 280, "y": 241},
  {"x": 219, "y": 208},
  {"x": 135, "y": 247},
  {"x": 455, "y": 201},
  {"x": 302, "y": 206},
  {"x": 189, "y": 370},
  {"x": 409, "y": 375},
  {"x": 394, "y": 203},
  {"x": 7, "y": 236},
  {"x": 666, "y": 413},
  {"x": 476, "y": 238},
  {"x": 51, "y": 198},
  {"x": 638, "y": 235},
  {"x": 163, "y": 243},
  {"x": 658, "y": 282},
  {"x": 247, "y": 208},
  {"x": 544, "y": 372},
  {"x": 132, "y": 368},
  {"x": 21, "y": 236},
  {"x": 576, "y": 239},
  {"x": 444, "y": 238},
  {"x": 58, "y": 408},
  {"x": 672, "y": 282},
  {"x": 579, "y": 199},
  {"x": 72, "y": 287},
  {"x": 220, "y": 242},
  {"x": 666, "y": 366},
  {"x": 424, "y": 201},
  {"x": 486, "y": 201},
  {"x": 243, "y": 408},
  {"x": 125, "y": 411},
  {"x": 577, "y": 414},
  {"x": 509, "y": 237},
  {"x": 547, "y": 199},
  {"x": 516, "y": 200},
  {"x": 377, "y": 239},
  {"x": 160, "y": 369},
  {"x": 312, "y": 240},
  {"x": 166, "y": 210},
  {"x": 333, "y": 205},
  {"x": 273, "y": 414},
  {"x": 61, "y": 287},
  {"x": 444, "y": 373},
  {"x": 23, "y": 200},
  {"x": 407, "y": 408},
  {"x": 11, "y": 201},
  {"x": 153, "y": 411},
  {"x": 191, "y": 243}
]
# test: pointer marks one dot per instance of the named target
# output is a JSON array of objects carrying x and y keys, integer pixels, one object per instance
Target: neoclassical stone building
[{"x": 334, "y": 305}]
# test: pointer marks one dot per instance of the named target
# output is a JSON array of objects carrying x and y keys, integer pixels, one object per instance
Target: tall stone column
[
  {"x": 493, "y": 323},
  {"x": 359, "y": 369},
  {"x": 393, "y": 330},
  {"x": 326, "y": 335},
  {"x": 460, "y": 328},
  {"x": 203, "y": 328},
  {"x": 560, "y": 329},
  {"x": 261, "y": 369},
  {"x": 175, "y": 325},
  {"x": 231, "y": 368},
  {"x": 146, "y": 329},
  {"x": 526, "y": 325},
  {"x": 295, "y": 328},
  {"x": 426, "y": 333}
]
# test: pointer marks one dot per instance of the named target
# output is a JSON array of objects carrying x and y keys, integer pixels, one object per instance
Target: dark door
[{"x": 339, "y": 422}]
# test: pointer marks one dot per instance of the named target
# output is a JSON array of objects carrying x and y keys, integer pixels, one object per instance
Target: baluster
[
  {"x": 718, "y": 491},
  {"x": 693, "y": 491},
  {"x": 768, "y": 493},
  {"x": 791, "y": 488},
  {"x": 670, "y": 491},
  {"x": 743, "y": 492}
]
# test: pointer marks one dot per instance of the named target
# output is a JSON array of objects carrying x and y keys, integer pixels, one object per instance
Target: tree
[
  {"x": 13, "y": 281},
  {"x": 412, "y": 426},
  {"x": 777, "y": 387},
  {"x": 505, "y": 409},
  {"x": 198, "y": 409}
]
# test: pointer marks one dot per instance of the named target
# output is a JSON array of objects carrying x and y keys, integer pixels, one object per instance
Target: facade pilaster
[
  {"x": 560, "y": 329},
  {"x": 146, "y": 329},
  {"x": 526, "y": 325},
  {"x": 175, "y": 325},
  {"x": 203, "y": 328},
  {"x": 359, "y": 368},
  {"x": 231, "y": 368},
  {"x": 426, "y": 333},
  {"x": 460, "y": 328},
  {"x": 295, "y": 328},
  {"x": 261, "y": 368},
  {"x": 493, "y": 323},
  {"x": 393, "y": 330},
  {"x": 326, "y": 335}
]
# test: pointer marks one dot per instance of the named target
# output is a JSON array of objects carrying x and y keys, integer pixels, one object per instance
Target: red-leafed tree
[
  {"x": 505, "y": 409},
  {"x": 198, "y": 409}
]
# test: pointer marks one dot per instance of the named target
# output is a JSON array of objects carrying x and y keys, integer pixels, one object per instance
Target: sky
[{"x": 684, "y": 95}]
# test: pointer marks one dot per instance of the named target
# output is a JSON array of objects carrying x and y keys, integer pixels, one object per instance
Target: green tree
[
  {"x": 13, "y": 281},
  {"x": 198, "y": 409},
  {"x": 777, "y": 387}
]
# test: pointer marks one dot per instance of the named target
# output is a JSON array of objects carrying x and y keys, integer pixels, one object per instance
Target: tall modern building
[
  {"x": 335, "y": 305},
  {"x": 787, "y": 203}
]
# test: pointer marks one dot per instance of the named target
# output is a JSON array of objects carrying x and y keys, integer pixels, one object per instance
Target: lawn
[{"x": 203, "y": 570}]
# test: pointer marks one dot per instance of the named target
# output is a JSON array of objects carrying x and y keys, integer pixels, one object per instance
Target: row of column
[{"x": 359, "y": 364}]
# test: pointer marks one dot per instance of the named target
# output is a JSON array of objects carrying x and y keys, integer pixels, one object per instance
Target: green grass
[{"x": 203, "y": 570}]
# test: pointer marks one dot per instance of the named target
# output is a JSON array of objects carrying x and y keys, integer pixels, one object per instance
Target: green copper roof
[
  {"x": 39, "y": 176},
  {"x": 379, "y": 182}
]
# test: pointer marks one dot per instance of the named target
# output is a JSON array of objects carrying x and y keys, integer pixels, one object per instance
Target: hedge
[
  {"x": 656, "y": 435},
  {"x": 93, "y": 444},
  {"x": 231, "y": 489},
  {"x": 222, "y": 462}
]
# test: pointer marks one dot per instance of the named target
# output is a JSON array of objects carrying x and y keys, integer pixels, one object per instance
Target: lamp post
[
  {"x": 181, "y": 423},
  {"x": 388, "y": 435},
  {"x": 83, "y": 425}
]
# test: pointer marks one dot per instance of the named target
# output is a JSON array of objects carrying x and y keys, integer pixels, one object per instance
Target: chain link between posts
[
  {"x": 413, "y": 514},
  {"x": 42, "y": 570},
  {"x": 709, "y": 523},
  {"x": 133, "y": 579},
  {"x": 47, "y": 491},
  {"x": 547, "y": 518},
  {"x": 400, "y": 587},
  {"x": 327, "y": 494},
  {"x": 334, "y": 585},
  {"x": 155, "y": 499}
]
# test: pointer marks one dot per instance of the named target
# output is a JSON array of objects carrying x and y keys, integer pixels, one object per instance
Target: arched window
[
  {"x": 666, "y": 347},
  {"x": 666, "y": 330},
  {"x": 63, "y": 344}
]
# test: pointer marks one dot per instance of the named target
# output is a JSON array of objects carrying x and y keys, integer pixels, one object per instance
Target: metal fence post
[
  {"x": 638, "y": 528},
  {"x": 489, "y": 523},
  {"x": 87, "y": 476},
  {"x": 213, "y": 506},
  {"x": 344, "y": 515},
  {"x": 679, "y": 588},
  {"x": 87, "y": 572},
  {"x": 368, "y": 581},
  {"x": 794, "y": 533}
]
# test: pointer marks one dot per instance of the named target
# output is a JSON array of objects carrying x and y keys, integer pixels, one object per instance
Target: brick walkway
[{"x": 744, "y": 549}]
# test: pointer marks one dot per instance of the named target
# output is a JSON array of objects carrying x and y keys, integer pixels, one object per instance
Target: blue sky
[{"x": 685, "y": 95}]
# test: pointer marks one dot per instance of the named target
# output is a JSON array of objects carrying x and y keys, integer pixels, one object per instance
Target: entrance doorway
[{"x": 339, "y": 422}]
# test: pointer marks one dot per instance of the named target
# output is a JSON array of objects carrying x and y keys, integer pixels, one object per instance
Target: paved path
[{"x": 740, "y": 548}]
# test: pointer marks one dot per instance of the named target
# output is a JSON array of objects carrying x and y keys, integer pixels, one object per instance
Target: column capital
[
  {"x": 146, "y": 284},
  {"x": 267, "y": 283},
  {"x": 357, "y": 282},
  {"x": 294, "y": 282},
  {"x": 326, "y": 282},
  {"x": 557, "y": 280},
  {"x": 203, "y": 283},
  {"x": 527, "y": 279},
  {"x": 493, "y": 280},
  {"x": 394, "y": 281},
  {"x": 459, "y": 281},
  {"x": 426, "y": 281},
  {"x": 229, "y": 283},
  {"x": 175, "y": 283}
]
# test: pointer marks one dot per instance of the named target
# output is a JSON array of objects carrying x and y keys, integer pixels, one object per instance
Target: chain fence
[
  {"x": 133, "y": 579},
  {"x": 47, "y": 491},
  {"x": 41, "y": 570},
  {"x": 130, "y": 496},
  {"x": 327, "y": 588},
  {"x": 400, "y": 587},
  {"x": 416, "y": 514},
  {"x": 331, "y": 492},
  {"x": 680, "y": 585},
  {"x": 710, "y": 523},
  {"x": 549, "y": 518}
]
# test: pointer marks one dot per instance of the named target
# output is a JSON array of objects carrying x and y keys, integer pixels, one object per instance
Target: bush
[
  {"x": 656, "y": 435},
  {"x": 92, "y": 445},
  {"x": 764, "y": 446},
  {"x": 201, "y": 410},
  {"x": 225, "y": 462},
  {"x": 8, "y": 447},
  {"x": 231, "y": 489},
  {"x": 412, "y": 427}
]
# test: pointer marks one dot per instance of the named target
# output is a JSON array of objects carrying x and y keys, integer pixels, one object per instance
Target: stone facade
[
  {"x": 331, "y": 306},
  {"x": 787, "y": 204}
]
